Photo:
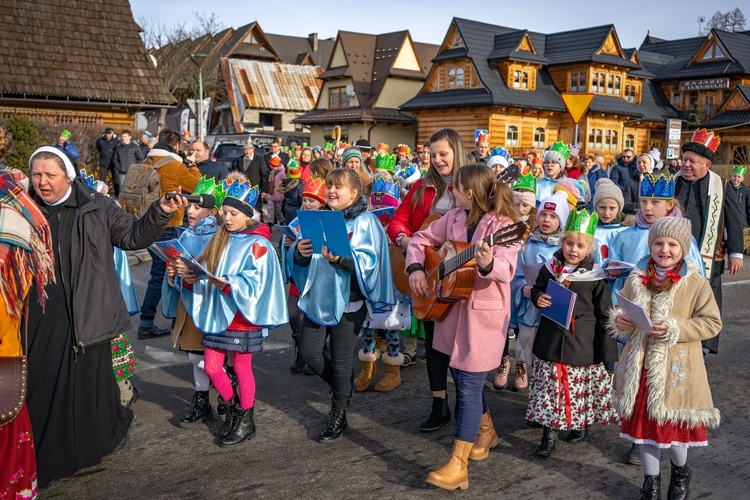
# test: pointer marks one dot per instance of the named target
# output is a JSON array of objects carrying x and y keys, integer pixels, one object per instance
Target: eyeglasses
[{"x": 628, "y": 157}]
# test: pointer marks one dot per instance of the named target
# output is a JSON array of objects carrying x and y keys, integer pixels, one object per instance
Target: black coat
[
  {"x": 631, "y": 195},
  {"x": 126, "y": 155},
  {"x": 106, "y": 150},
  {"x": 588, "y": 343},
  {"x": 622, "y": 174},
  {"x": 282, "y": 155},
  {"x": 99, "y": 313},
  {"x": 743, "y": 200},
  {"x": 257, "y": 172},
  {"x": 211, "y": 169}
]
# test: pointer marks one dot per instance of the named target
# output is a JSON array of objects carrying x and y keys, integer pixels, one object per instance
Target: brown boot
[
  {"x": 521, "y": 382},
  {"x": 486, "y": 439},
  {"x": 392, "y": 377},
  {"x": 369, "y": 370},
  {"x": 455, "y": 473}
]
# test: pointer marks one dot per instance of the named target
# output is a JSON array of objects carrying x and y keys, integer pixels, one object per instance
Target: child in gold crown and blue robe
[{"x": 631, "y": 245}]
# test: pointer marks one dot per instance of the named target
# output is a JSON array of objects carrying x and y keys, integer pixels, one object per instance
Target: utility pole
[
  {"x": 701, "y": 20},
  {"x": 193, "y": 57}
]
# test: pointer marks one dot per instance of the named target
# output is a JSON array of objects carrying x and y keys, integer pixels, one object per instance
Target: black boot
[
  {"x": 221, "y": 404},
  {"x": 200, "y": 410},
  {"x": 230, "y": 420},
  {"x": 334, "y": 427},
  {"x": 679, "y": 482},
  {"x": 243, "y": 428},
  {"x": 298, "y": 364},
  {"x": 439, "y": 418},
  {"x": 548, "y": 445},
  {"x": 651, "y": 489},
  {"x": 577, "y": 436}
]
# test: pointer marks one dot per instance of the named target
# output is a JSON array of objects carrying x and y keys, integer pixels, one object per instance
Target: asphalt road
[{"x": 383, "y": 454}]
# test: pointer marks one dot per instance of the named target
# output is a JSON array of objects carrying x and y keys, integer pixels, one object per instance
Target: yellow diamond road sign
[{"x": 577, "y": 104}]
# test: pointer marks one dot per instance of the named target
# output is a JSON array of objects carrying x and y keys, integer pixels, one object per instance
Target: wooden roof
[{"x": 76, "y": 50}]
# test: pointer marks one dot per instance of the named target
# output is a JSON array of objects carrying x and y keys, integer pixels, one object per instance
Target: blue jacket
[
  {"x": 596, "y": 173},
  {"x": 622, "y": 174}
]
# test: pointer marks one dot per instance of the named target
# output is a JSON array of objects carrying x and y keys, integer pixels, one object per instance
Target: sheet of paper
[
  {"x": 636, "y": 312},
  {"x": 563, "y": 302},
  {"x": 531, "y": 272},
  {"x": 616, "y": 265}
]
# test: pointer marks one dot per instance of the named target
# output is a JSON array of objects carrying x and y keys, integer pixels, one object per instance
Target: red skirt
[
  {"x": 641, "y": 428},
  {"x": 18, "y": 463}
]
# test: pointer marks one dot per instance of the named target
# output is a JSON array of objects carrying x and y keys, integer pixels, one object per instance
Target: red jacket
[{"x": 409, "y": 219}]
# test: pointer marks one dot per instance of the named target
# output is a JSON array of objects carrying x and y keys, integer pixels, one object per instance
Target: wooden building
[
  {"x": 258, "y": 82},
  {"x": 366, "y": 80},
  {"x": 707, "y": 81},
  {"x": 76, "y": 61},
  {"x": 509, "y": 81}
]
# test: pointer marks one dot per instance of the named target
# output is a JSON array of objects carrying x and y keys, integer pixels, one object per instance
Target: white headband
[{"x": 51, "y": 149}]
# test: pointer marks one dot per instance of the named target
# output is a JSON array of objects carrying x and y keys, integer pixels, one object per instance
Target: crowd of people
[{"x": 634, "y": 234}]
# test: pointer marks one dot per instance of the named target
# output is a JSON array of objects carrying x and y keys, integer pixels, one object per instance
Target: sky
[{"x": 428, "y": 21}]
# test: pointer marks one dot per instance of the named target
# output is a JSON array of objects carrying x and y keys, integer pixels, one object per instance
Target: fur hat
[
  {"x": 677, "y": 228},
  {"x": 558, "y": 205},
  {"x": 527, "y": 197},
  {"x": 571, "y": 190},
  {"x": 605, "y": 189}
]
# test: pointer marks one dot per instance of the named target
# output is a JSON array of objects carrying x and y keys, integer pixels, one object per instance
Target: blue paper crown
[
  {"x": 499, "y": 151},
  {"x": 661, "y": 187},
  {"x": 88, "y": 178},
  {"x": 383, "y": 189},
  {"x": 244, "y": 192}
]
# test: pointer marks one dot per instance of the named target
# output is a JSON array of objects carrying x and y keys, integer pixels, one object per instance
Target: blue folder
[
  {"x": 325, "y": 227},
  {"x": 563, "y": 302}
]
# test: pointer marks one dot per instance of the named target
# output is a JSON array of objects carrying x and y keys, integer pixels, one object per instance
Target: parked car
[{"x": 225, "y": 152}]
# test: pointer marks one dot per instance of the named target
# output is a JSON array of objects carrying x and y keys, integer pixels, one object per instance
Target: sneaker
[
  {"x": 124, "y": 442},
  {"x": 153, "y": 331},
  {"x": 409, "y": 359}
]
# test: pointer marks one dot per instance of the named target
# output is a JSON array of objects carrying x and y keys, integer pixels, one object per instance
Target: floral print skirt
[
  {"x": 123, "y": 358},
  {"x": 566, "y": 397},
  {"x": 641, "y": 428},
  {"x": 17, "y": 460}
]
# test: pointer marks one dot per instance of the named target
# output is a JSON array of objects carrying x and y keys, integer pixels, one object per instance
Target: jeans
[
  {"x": 336, "y": 367},
  {"x": 153, "y": 291},
  {"x": 471, "y": 404}
]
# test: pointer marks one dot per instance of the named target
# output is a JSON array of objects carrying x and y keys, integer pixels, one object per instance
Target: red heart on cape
[
  {"x": 350, "y": 235},
  {"x": 604, "y": 251},
  {"x": 259, "y": 250}
]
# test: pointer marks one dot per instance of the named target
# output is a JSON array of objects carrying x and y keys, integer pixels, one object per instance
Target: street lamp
[{"x": 193, "y": 57}]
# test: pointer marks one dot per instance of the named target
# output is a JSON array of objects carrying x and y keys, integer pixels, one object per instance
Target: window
[
  {"x": 693, "y": 101},
  {"x": 338, "y": 98},
  {"x": 676, "y": 99},
  {"x": 456, "y": 78},
  {"x": 511, "y": 137},
  {"x": 617, "y": 85},
  {"x": 629, "y": 141},
  {"x": 578, "y": 82},
  {"x": 611, "y": 84},
  {"x": 598, "y": 82},
  {"x": 631, "y": 92},
  {"x": 713, "y": 52},
  {"x": 610, "y": 139},
  {"x": 725, "y": 95},
  {"x": 520, "y": 80},
  {"x": 595, "y": 138},
  {"x": 539, "y": 138},
  {"x": 709, "y": 105}
]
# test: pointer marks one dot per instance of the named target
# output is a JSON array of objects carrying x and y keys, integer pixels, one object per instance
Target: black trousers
[
  {"x": 335, "y": 367},
  {"x": 437, "y": 362},
  {"x": 712, "y": 344},
  {"x": 115, "y": 177}
]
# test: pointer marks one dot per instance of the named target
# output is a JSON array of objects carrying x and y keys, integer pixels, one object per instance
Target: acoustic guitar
[
  {"x": 451, "y": 269},
  {"x": 398, "y": 254}
]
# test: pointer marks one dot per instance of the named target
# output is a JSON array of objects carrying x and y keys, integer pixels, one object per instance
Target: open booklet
[
  {"x": 173, "y": 252},
  {"x": 636, "y": 312},
  {"x": 291, "y": 231}
]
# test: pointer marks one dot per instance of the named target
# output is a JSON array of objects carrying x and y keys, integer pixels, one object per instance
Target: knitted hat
[
  {"x": 558, "y": 205},
  {"x": 294, "y": 171},
  {"x": 570, "y": 189},
  {"x": 350, "y": 153},
  {"x": 527, "y": 197},
  {"x": 677, "y": 228},
  {"x": 605, "y": 189},
  {"x": 557, "y": 153}
]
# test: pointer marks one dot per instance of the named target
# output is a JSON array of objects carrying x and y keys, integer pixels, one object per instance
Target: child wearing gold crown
[
  {"x": 203, "y": 224},
  {"x": 661, "y": 389},
  {"x": 234, "y": 308},
  {"x": 570, "y": 388}
]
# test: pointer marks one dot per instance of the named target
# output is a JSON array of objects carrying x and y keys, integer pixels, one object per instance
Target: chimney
[{"x": 313, "y": 38}]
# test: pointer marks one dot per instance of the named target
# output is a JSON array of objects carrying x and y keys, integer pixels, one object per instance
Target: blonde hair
[
  {"x": 432, "y": 177},
  {"x": 489, "y": 195},
  {"x": 587, "y": 238},
  {"x": 6, "y": 142},
  {"x": 212, "y": 253}
]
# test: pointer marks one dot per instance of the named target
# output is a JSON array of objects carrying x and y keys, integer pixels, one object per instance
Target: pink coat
[{"x": 474, "y": 331}]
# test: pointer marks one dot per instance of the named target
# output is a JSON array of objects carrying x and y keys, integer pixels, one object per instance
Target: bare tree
[{"x": 732, "y": 20}]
